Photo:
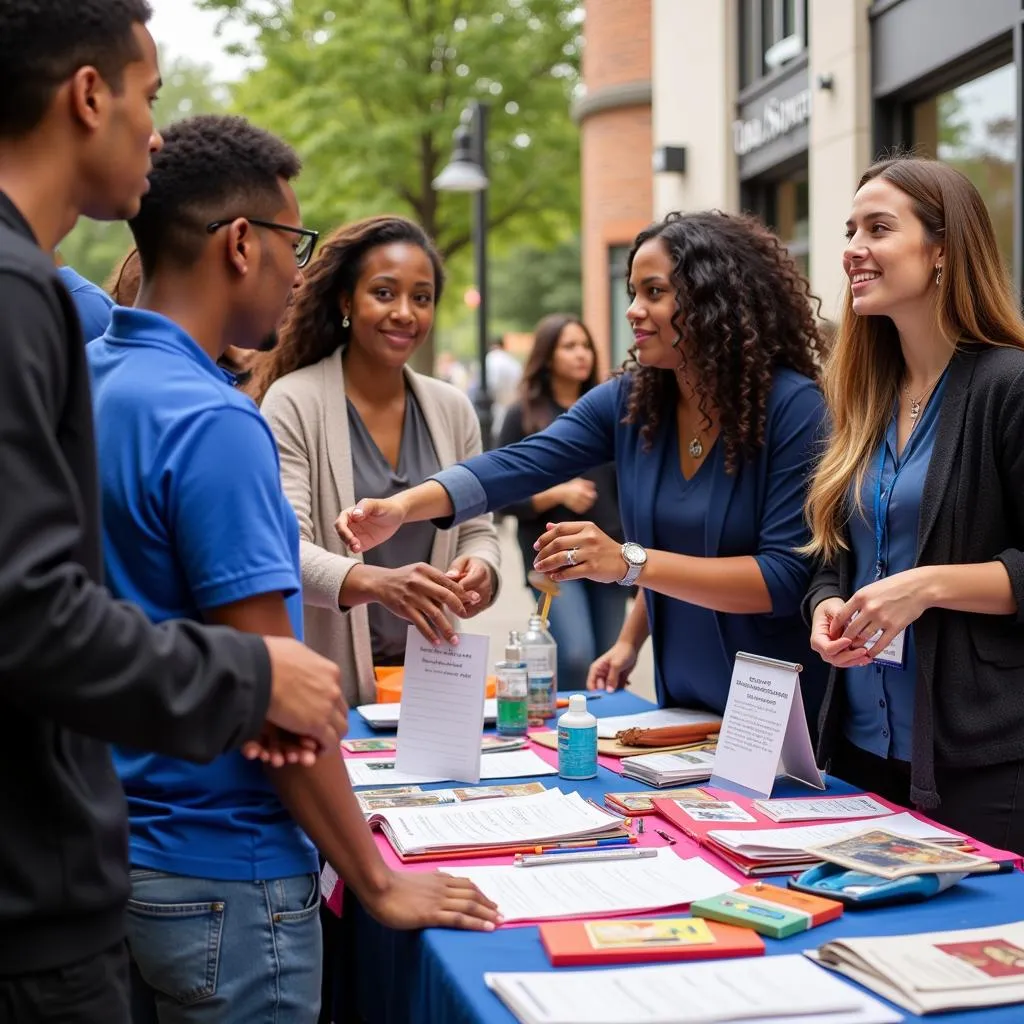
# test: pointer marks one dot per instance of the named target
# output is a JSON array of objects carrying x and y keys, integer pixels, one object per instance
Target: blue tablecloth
[{"x": 436, "y": 977}]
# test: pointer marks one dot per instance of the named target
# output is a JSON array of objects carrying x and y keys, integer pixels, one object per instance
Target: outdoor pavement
[{"x": 515, "y": 603}]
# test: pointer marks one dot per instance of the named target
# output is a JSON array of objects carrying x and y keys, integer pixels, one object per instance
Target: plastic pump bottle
[{"x": 577, "y": 741}]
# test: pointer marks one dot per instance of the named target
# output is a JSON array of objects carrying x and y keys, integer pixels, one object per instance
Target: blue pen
[{"x": 623, "y": 841}]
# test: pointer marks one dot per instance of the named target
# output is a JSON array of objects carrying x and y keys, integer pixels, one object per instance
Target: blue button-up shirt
[{"x": 880, "y": 698}]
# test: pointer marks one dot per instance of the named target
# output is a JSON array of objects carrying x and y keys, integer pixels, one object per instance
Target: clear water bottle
[
  {"x": 512, "y": 689},
  {"x": 541, "y": 653}
]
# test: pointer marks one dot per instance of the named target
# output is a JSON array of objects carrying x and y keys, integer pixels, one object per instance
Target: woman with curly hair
[
  {"x": 561, "y": 368},
  {"x": 351, "y": 418},
  {"x": 712, "y": 426}
]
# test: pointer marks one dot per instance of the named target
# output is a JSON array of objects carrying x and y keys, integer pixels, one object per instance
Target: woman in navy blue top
[
  {"x": 917, "y": 509},
  {"x": 712, "y": 427}
]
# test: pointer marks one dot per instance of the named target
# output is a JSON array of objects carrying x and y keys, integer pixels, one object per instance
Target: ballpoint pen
[
  {"x": 544, "y": 859},
  {"x": 592, "y": 844}
]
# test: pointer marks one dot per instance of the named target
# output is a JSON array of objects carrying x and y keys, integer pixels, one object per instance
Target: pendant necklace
[
  {"x": 695, "y": 447},
  {"x": 915, "y": 403}
]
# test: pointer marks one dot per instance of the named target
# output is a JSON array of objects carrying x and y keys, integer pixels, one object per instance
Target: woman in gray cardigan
[
  {"x": 351, "y": 419},
  {"x": 917, "y": 509}
]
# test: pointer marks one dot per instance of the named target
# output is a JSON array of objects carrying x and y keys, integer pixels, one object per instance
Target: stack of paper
[
  {"x": 487, "y": 825},
  {"x": 777, "y": 989},
  {"x": 385, "y": 716},
  {"x": 599, "y": 887},
  {"x": 515, "y": 764},
  {"x": 662, "y": 718},
  {"x": 669, "y": 769},
  {"x": 936, "y": 971},
  {"x": 825, "y": 808},
  {"x": 770, "y": 851},
  {"x": 371, "y": 800}
]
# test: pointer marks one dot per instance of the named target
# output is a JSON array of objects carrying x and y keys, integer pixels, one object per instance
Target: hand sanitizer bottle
[
  {"x": 541, "y": 667},
  {"x": 577, "y": 741},
  {"x": 512, "y": 689}
]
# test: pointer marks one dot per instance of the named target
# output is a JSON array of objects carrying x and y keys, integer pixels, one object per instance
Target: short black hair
[
  {"x": 212, "y": 167},
  {"x": 44, "y": 42}
]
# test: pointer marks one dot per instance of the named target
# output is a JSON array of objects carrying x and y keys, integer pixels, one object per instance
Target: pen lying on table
[
  {"x": 527, "y": 860},
  {"x": 576, "y": 845}
]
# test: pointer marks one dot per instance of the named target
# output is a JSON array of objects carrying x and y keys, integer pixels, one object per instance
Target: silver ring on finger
[{"x": 570, "y": 556}]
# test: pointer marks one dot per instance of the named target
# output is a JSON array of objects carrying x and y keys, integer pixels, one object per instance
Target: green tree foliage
[
  {"x": 370, "y": 91},
  {"x": 94, "y": 248},
  {"x": 529, "y": 283}
]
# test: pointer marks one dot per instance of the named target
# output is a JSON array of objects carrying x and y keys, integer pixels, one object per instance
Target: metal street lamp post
[{"x": 467, "y": 172}]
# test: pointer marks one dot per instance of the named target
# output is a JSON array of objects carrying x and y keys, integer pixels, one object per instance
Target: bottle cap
[
  {"x": 578, "y": 703},
  {"x": 514, "y": 649}
]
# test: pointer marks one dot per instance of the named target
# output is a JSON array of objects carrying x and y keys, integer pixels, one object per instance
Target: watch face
[{"x": 634, "y": 554}]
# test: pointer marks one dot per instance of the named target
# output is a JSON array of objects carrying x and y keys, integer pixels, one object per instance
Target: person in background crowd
[
  {"x": 586, "y": 619},
  {"x": 79, "y": 670},
  {"x": 92, "y": 303},
  {"x": 449, "y": 369},
  {"x": 207, "y": 533},
  {"x": 504, "y": 372},
  {"x": 917, "y": 509},
  {"x": 351, "y": 417},
  {"x": 712, "y": 428}
]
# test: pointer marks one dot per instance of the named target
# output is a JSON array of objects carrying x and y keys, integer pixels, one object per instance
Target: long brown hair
[
  {"x": 974, "y": 302},
  {"x": 537, "y": 395},
  {"x": 743, "y": 309},
  {"x": 313, "y": 328},
  {"x": 125, "y": 279}
]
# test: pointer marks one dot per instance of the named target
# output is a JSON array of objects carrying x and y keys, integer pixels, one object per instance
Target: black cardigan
[{"x": 969, "y": 695}]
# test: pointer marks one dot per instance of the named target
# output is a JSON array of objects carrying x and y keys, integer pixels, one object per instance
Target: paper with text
[
  {"x": 442, "y": 707},
  {"x": 764, "y": 730},
  {"x": 600, "y": 887},
  {"x": 504, "y": 764},
  {"x": 524, "y": 819},
  {"x": 777, "y": 990},
  {"x": 823, "y": 809}
]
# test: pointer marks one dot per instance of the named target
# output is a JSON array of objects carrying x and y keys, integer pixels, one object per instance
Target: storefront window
[
  {"x": 619, "y": 332},
  {"x": 785, "y": 206},
  {"x": 772, "y": 33},
  {"x": 972, "y": 128}
]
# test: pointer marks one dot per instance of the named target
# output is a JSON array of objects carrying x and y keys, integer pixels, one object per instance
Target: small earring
[
  {"x": 345, "y": 321},
  {"x": 938, "y": 275}
]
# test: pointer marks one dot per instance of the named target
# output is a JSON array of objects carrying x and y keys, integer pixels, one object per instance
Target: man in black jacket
[{"x": 77, "y": 669}]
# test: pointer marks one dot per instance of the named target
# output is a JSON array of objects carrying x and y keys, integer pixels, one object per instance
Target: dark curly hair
[
  {"x": 44, "y": 42},
  {"x": 211, "y": 167},
  {"x": 313, "y": 327},
  {"x": 742, "y": 309}
]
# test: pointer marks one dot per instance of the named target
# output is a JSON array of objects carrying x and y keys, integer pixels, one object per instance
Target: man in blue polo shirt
[{"x": 223, "y": 923}]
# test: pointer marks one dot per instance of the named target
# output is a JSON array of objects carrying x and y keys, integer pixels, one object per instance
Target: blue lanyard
[{"x": 882, "y": 515}]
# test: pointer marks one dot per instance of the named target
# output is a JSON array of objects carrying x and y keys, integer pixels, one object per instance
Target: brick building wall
[{"x": 616, "y": 147}]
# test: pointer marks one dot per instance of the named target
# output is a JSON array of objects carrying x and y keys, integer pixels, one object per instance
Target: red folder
[{"x": 569, "y": 944}]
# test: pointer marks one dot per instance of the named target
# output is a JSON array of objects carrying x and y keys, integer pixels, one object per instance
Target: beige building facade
[{"x": 776, "y": 107}]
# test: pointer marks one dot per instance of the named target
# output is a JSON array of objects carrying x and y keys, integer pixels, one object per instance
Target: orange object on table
[{"x": 390, "y": 678}]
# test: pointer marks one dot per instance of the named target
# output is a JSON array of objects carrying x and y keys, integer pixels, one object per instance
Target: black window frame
[{"x": 752, "y": 66}]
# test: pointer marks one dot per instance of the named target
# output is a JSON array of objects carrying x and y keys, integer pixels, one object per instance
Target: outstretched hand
[{"x": 368, "y": 523}]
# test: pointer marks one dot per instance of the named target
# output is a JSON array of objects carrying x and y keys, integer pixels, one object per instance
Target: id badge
[{"x": 892, "y": 656}]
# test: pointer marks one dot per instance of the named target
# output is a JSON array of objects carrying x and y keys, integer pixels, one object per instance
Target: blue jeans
[
  {"x": 206, "y": 951},
  {"x": 585, "y": 620}
]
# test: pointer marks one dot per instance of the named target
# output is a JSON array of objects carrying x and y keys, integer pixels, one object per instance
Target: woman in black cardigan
[{"x": 917, "y": 509}]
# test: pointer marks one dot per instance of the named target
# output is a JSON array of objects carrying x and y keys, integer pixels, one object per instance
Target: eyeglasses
[{"x": 303, "y": 247}]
